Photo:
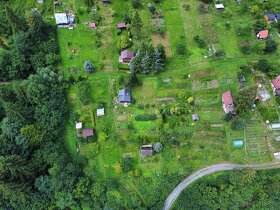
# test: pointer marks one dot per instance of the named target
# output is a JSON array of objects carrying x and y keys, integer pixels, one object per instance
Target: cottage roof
[
  {"x": 270, "y": 17},
  {"x": 262, "y": 34},
  {"x": 219, "y": 6},
  {"x": 79, "y": 125},
  {"x": 121, "y": 25},
  {"x": 92, "y": 25},
  {"x": 127, "y": 54},
  {"x": 100, "y": 112},
  {"x": 88, "y": 132},
  {"x": 146, "y": 150},
  {"x": 275, "y": 126},
  {"x": 124, "y": 96},
  {"x": 276, "y": 82},
  {"x": 227, "y": 98},
  {"x": 61, "y": 18},
  {"x": 264, "y": 94}
]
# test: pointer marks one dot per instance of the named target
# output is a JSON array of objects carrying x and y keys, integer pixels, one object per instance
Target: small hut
[
  {"x": 146, "y": 151},
  {"x": 195, "y": 117},
  {"x": 100, "y": 112}
]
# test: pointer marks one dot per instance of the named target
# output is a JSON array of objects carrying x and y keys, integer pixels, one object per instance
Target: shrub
[
  {"x": 158, "y": 147},
  {"x": 186, "y": 7},
  {"x": 140, "y": 106},
  {"x": 95, "y": 16},
  {"x": 136, "y": 4},
  {"x": 245, "y": 47},
  {"x": 262, "y": 65},
  {"x": 152, "y": 9},
  {"x": 181, "y": 49},
  {"x": 127, "y": 164},
  {"x": 207, "y": 1},
  {"x": 124, "y": 42},
  {"x": 237, "y": 124},
  {"x": 88, "y": 66},
  {"x": 126, "y": 18},
  {"x": 260, "y": 25},
  {"x": 245, "y": 69},
  {"x": 219, "y": 53},
  {"x": 228, "y": 116},
  {"x": 119, "y": 32},
  {"x": 201, "y": 43},
  {"x": 270, "y": 46},
  {"x": 145, "y": 117}
]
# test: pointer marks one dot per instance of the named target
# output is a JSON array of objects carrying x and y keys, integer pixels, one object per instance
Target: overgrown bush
[
  {"x": 237, "y": 124},
  {"x": 200, "y": 41},
  {"x": 127, "y": 164},
  {"x": 136, "y": 4},
  {"x": 181, "y": 49},
  {"x": 88, "y": 66},
  {"x": 219, "y": 53}
]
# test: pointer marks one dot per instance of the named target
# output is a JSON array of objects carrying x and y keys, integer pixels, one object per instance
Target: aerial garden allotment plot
[
  {"x": 209, "y": 51},
  {"x": 139, "y": 95}
]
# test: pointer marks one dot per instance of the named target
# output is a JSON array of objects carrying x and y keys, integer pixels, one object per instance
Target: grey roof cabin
[
  {"x": 146, "y": 151},
  {"x": 124, "y": 96}
]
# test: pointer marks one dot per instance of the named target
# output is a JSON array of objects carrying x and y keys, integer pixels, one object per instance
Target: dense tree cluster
[
  {"x": 233, "y": 190},
  {"x": 245, "y": 99},
  {"x": 35, "y": 171},
  {"x": 148, "y": 60},
  {"x": 32, "y": 46}
]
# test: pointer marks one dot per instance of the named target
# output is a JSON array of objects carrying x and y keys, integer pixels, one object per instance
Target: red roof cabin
[
  {"x": 275, "y": 83},
  {"x": 87, "y": 132},
  {"x": 126, "y": 56},
  {"x": 121, "y": 26},
  {"x": 228, "y": 105},
  {"x": 92, "y": 25},
  {"x": 262, "y": 34}
]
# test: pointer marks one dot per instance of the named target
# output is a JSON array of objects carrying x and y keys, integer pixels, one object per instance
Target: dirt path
[{"x": 209, "y": 170}]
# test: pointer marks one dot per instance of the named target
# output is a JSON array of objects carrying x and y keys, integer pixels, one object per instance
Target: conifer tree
[
  {"x": 17, "y": 24},
  {"x": 136, "y": 25}
]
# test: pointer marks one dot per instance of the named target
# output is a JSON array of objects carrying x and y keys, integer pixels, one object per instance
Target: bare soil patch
[
  {"x": 201, "y": 74},
  {"x": 164, "y": 40},
  {"x": 122, "y": 118}
]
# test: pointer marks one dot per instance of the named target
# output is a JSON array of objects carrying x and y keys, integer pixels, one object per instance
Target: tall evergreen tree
[
  {"x": 17, "y": 24},
  {"x": 145, "y": 63},
  {"x": 14, "y": 167},
  {"x": 136, "y": 25},
  {"x": 135, "y": 64},
  {"x": 158, "y": 61},
  {"x": 161, "y": 50}
]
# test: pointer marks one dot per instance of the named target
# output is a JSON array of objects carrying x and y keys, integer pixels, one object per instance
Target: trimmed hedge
[{"x": 145, "y": 117}]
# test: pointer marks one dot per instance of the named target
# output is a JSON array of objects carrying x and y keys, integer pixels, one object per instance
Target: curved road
[{"x": 209, "y": 170}]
